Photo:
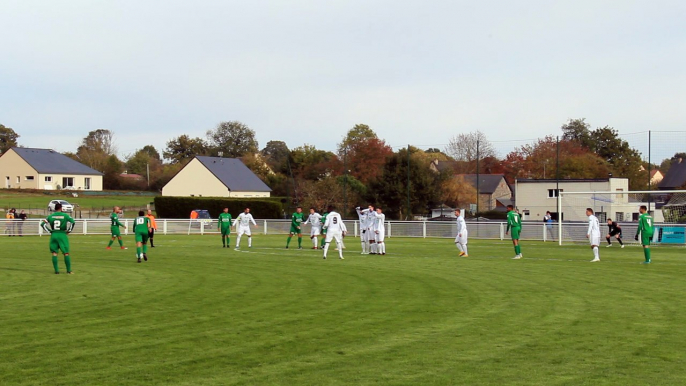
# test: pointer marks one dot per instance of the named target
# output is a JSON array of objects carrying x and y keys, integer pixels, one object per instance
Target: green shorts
[
  {"x": 645, "y": 239},
  {"x": 295, "y": 230},
  {"x": 142, "y": 237},
  {"x": 514, "y": 232},
  {"x": 115, "y": 231},
  {"x": 59, "y": 242},
  {"x": 225, "y": 231}
]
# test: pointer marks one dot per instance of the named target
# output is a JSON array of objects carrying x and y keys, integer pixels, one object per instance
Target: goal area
[{"x": 667, "y": 207}]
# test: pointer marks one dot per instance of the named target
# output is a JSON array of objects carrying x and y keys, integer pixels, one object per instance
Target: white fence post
[
  {"x": 164, "y": 227},
  {"x": 126, "y": 227},
  {"x": 265, "y": 227},
  {"x": 85, "y": 227},
  {"x": 356, "y": 223},
  {"x": 389, "y": 229},
  {"x": 544, "y": 234},
  {"x": 424, "y": 229},
  {"x": 502, "y": 232},
  {"x": 202, "y": 228}
]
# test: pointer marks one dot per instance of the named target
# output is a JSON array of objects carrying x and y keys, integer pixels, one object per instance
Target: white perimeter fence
[{"x": 494, "y": 230}]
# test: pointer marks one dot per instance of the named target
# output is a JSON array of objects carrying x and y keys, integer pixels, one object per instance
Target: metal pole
[
  {"x": 477, "y": 180},
  {"x": 649, "y": 167},
  {"x": 147, "y": 167},
  {"x": 557, "y": 180},
  {"x": 345, "y": 183},
  {"x": 407, "y": 215}
]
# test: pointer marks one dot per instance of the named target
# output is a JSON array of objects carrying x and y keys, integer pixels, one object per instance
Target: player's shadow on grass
[{"x": 21, "y": 269}]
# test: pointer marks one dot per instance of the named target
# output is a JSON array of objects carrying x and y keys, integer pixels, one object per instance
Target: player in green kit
[
  {"x": 114, "y": 228},
  {"x": 141, "y": 230},
  {"x": 514, "y": 225},
  {"x": 59, "y": 225},
  {"x": 296, "y": 220},
  {"x": 645, "y": 229},
  {"x": 324, "y": 229},
  {"x": 224, "y": 226}
]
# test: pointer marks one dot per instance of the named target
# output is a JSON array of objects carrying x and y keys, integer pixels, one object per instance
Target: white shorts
[
  {"x": 315, "y": 231},
  {"x": 243, "y": 230},
  {"x": 379, "y": 237},
  {"x": 594, "y": 240},
  {"x": 338, "y": 236},
  {"x": 370, "y": 236},
  {"x": 462, "y": 239}
]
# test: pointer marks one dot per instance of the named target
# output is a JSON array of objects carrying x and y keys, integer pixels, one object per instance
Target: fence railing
[{"x": 572, "y": 232}]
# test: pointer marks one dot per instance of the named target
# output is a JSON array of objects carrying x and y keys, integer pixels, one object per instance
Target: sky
[{"x": 306, "y": 71}]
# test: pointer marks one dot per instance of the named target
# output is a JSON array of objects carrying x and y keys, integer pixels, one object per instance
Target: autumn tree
[
  {"x": 142, "y": 159},
  {"x": 276, "y": 155},
  {"x": 8, "y": 138},
  {"x": 184, "y": 148},
  {"x": 308, "y": 162},
  {"x": 233, "y": 139},
  {"x": 363, "y": 153}
]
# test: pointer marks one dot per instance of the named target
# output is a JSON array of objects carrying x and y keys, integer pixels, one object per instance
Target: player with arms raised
[
  {"x": 461, "y": 238},
  {"x": 514, "y": 225},
  {"x": 593, "y": 234},
  {"x": 645, "y": 230},
  {"x": 335, "y": 230},
  {"x": 296, "y": 222},
  {"x": 315, "y": 221},
  {"x": 141, "y": 229},
  {"x": 242, "y": 223},
  {"x": 114, "y": 228},
  {"x": 59, "y": 225},
  {"x": 224, "y": 226}
]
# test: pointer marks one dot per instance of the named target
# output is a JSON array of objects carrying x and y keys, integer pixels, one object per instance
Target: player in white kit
[
  {"x": 593, "y": 234},
  {"x": 335, "y": 230},
  {"x": 315, "y": 221},
  {"x": 461, "y": 238},
  {"x": 380, "y": 231},
  {"x": 371, "y": 237},
  {"x": 242, "y": 224},
  {"x": 364, "y": 241}
]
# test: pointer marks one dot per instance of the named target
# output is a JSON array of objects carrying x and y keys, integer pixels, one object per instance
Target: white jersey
[
  {"x": 244, "y": 220},
  {"x": 461, "y": 226},
  {"x": 379, "y": 221},
  {"x": 371, "y": 215},
  {"x": 593, "y": 227},
  {"x": 334, "y": 223},
  {"x": 363, "y": 215},
  {"x": 315, "y": 219}
]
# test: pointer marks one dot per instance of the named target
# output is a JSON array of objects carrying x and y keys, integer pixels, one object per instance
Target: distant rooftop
[{"x": 48, "y": 161}]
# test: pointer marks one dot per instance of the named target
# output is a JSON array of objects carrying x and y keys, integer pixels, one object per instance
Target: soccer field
[{"x": 198, "y": 314}]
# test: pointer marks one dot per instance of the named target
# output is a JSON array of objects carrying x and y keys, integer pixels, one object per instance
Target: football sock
[
  {"x": 121, "y": 242},
  {"x": 110, "y": 244},
  {"x": 517, "y": 249},
  {"x": 620, "y": 242},
  {"x": 459, "y": 247},
  {"x": 138, "y": 251},
  {"x": 288, "y": 241},
  {"x": 300, "y": 242},
  {"x": 340, "y": 250},
  {"x": 145, "y": 248},
  {"x": 223, "y": 241},
  {"x": 238, "y": 241},
  {"x": 249, "y": 241},
  {"x": 382, "y": 248},
  {"x": 646, "y": 252},
  {"x": 364, "y": 246},
  {"x": 54, "y": 263},
  {"x": 595, "y": 253},
  {"x": 67, "y": 261},
  {"x": 323, "y": 241},
  {"x": 609, "y": 242},
  {"x": 326, "y": 248},
  {"x": 464, "y": 248},
  {"x": 228, "y": 241}
]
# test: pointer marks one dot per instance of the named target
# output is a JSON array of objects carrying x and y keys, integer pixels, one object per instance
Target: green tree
[
  {"x": 276, "y": 155},
  {"x": 308, "y": 162},
  {"x": 111, "y": 170},
  {"x": 577, "y": 130},
  {"x": 142, "y": 159},
  {"x": 96, "y": 147},
  {"x": 184, "y": 148},
  {"x": 8, "y": 138},
  {"x": 233, "y": 139}
]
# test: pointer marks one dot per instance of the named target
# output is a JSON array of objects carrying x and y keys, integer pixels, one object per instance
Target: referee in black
[{"x": 615, "y": 231}]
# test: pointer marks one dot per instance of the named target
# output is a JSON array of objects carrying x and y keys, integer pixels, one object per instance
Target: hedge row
[{"x": 181, "y": 207}]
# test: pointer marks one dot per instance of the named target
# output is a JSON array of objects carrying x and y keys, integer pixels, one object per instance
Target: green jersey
[
  {"x": 645, "y": 225},
  {"x": 224, "y": 221},
  {"x": 59, "y": 222},
  {"x": 114, "y": 219},
  {"x": 297, "y": 219},
  {"x": 142, "y": 224},
  {"x": 513, "y": 220}
]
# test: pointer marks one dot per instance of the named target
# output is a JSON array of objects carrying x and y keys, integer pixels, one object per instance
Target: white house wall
[{"x": 195, "y": 180}]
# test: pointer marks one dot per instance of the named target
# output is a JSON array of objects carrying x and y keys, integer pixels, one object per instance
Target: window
[
  {"x": 67, "y": 182},
  {"x": 48, "y": 178},
  {"x": 620, "y": 195},
  {"x": 619, "y": 216},
  {"x": 18, "y": 179},
  {"x": 87, "y": 183},
  {"x": 29, "y": 178},
  {"x": 553, "y": 193}
]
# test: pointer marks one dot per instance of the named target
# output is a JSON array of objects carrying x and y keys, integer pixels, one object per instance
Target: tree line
[{"x": 364, "y": 168}]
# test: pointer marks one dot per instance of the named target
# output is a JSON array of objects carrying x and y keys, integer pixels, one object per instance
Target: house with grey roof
[
  {"x": 494, "y": 191},
  {"x": 216, "y": 177},
  {"x": 28, "y": 168},
  {"x": 675, "y": 177}
]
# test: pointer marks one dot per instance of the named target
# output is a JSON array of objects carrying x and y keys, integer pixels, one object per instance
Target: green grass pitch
[{"x": 198, "y": 314}]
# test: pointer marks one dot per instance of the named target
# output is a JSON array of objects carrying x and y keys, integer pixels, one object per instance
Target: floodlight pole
[
  {"x": 407, "y": 215},
  {"x": 477, "y": 180}
]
